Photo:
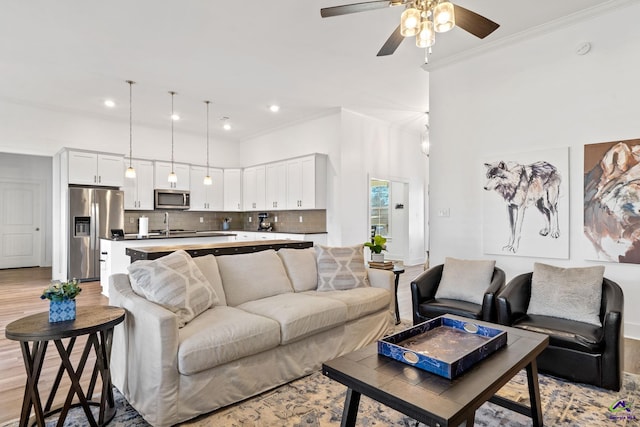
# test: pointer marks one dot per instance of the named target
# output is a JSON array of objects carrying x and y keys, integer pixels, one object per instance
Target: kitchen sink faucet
[{"x": 166, "y": 222}]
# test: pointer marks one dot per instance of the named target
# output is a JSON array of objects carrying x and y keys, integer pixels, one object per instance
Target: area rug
[{"x": 315, "y": 400}]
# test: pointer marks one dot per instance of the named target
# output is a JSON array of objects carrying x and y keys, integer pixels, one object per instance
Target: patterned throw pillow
[
  {"x": 175, "y": 282},
  {"x": 341, "y": 268}
]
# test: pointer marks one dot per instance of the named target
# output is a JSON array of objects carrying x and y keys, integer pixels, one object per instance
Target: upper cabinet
[
  {"x": 253, "y": 188},
  {"x": 87, "y": 168},
  {"x": 206, "y": 197},
  {"x": 276, "y": 186},
  {"x": 307, "y": 182},
  {"x": 138, "y": 191},
  {"x": 162, "y": 171},
  {"x": 232, "y": 189}
]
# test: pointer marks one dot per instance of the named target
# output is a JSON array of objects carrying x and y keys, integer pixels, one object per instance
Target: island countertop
[{"x": 223, "y": 248}]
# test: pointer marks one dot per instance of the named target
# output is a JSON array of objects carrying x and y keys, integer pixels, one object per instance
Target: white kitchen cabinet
[
  {"x": 162, "y": 171},
  {"x": 307, "y": 182},
  {"x": 276, "y": 186},
  {"x": 206, "y": 197},
  {"x": 87, "y": 168},
  {"x": 138, "y": 191},
  {"x": 232, "y": 182},
  {"x": 253, "y": 188}
]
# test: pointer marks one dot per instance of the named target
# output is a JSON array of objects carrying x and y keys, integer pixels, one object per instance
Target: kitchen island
[
  {"x": 113, "y": 252},
  {"x": 228, "y": 248}
]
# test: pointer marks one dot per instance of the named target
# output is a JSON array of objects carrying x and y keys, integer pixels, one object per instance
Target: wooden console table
[
  {"x": 225, "y": 248},
  {"x": 97, "y": 322}
]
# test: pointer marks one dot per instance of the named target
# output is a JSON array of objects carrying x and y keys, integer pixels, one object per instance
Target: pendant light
[
  {"x": 131, "y": 172},
  {"x": 207, "y": 179},
  {"x": 172, "y": 176}
]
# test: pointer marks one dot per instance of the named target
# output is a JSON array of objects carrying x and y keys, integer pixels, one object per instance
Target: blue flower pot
[{"x": 60, "y": 311}]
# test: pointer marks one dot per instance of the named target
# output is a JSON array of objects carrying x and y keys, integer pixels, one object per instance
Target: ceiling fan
[{"x": 421, "y": 18}]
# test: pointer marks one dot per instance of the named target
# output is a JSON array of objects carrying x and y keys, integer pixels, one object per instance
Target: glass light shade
[
  {"x": 426, "y": 37},
  {"x": 410, "y": 22},
  {"x": 444, "y": 17},
  {"x": 172, "y": 177},
  {"x": 207, "y": 180},
  {"x": 130, "y": 173}
]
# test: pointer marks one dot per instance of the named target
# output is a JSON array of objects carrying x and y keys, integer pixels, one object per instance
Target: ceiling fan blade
[
  {"x": 473, "y": 23},
  {"x": 391, "y": 44},
  {"x": 345, "y": 9}
]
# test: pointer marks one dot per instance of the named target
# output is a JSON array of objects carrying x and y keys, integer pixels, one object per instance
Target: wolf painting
[{"x": 521, "y": 186}]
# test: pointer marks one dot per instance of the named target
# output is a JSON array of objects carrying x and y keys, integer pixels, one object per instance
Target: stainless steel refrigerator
[{"x": 93, "y": 213}]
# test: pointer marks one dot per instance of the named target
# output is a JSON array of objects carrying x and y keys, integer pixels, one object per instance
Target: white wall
[
  {"x": 358, "y": 147},
  {"x": 37, "y": 170},
  {"x": 534, "y": 94}
]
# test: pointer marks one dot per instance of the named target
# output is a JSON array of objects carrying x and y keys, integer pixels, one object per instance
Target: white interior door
[{"x": 20, "y": 227}]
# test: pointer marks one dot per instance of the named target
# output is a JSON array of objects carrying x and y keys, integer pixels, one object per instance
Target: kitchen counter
[
  {"x": 227, "y": 248},
  {"x": 178, "y": 235}
]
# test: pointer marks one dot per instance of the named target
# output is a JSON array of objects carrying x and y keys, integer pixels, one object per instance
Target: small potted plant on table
[
  {"x": 62, "y": 299},
  {"x": 377, "y": 245}
]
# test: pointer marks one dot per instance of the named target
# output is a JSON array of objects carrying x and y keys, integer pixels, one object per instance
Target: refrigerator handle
[{"x": 94, "y": 222}]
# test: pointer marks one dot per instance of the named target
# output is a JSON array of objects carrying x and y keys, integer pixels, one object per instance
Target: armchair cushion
[
  {"x": 567, "y": 293},
  {"x": 465, "y": 280}
]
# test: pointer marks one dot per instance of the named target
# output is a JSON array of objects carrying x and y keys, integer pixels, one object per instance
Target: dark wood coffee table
[{"x": 435, "y": 400}]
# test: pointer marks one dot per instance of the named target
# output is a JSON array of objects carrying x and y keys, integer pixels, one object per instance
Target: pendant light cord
[
  {"x": 172, "y": 120},
  {"x": 207, "y": 102},
  {"x": 131, "y": 83}
]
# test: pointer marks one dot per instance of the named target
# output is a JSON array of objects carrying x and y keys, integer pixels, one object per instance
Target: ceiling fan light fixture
[
  {"x": 426, "y": 37},
  {"x": 444, "y": 17},
  {"x": 410, "y": 22}
]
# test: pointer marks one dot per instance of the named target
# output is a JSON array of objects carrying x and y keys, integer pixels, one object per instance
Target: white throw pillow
[
  {"x": 248, "y": 277},
  {"x": 465, "y": 280},
  {"x": 301, "y": 268},
  {"x": 175, "y": 282},
  {"x": 341, "y": 268},
  {"x": 567, "y": 293},
  {"x": 209, "y": 268}
]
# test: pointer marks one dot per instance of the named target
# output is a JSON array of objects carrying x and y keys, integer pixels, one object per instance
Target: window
[{"x": 379, "y": 196}]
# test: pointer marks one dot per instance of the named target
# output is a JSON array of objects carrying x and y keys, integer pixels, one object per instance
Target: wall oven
[{"x": 171, "y": 199}]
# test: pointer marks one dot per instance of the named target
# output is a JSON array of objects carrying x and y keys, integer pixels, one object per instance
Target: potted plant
[
  {"x": 62, "y": 299},
  {"x": 377, "y": 245}
]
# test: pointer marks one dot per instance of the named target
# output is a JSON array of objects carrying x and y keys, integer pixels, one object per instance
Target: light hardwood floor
[{"x": 20, "y": 291}]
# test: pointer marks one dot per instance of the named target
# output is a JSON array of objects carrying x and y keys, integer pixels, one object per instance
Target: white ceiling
[{"x": 70, "y": 55}]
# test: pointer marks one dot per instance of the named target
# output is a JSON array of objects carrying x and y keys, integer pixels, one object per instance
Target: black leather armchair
[
  {"x": 577, "y": 351},
  {"x": 426, "y": 306}
]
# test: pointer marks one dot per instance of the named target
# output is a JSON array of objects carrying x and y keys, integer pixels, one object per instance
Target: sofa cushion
[
  {"x": 465, "y": 280},
  {"x": 175, "y": 282},
  {"x": 301, "y": 268},
  {"x": 248, "y": 277},
  {"x": 299, "y": 315},
  {"x": 567, "y": 293},
  {"x": 209, "y": 268},
  {"x": 360, "y": 301},
  {"x": 223, "y": 334},
  {"x": 341, "y": 268}
]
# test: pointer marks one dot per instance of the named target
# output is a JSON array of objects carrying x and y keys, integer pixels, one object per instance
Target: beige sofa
[{"x": 269, "y": 325}]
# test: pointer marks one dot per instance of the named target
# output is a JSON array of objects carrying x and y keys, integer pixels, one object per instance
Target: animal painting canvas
[
  {"x": 612, "y": 201},
  {"x": 526, "y": 204}
]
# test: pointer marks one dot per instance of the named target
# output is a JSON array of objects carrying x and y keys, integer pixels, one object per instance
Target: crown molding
[{"x": 551, "y": 26}]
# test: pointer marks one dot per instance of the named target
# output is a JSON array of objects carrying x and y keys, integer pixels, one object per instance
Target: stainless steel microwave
[{"x": 171, "y": 199}]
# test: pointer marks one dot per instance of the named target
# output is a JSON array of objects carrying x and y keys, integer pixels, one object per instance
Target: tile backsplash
[{"x": 313, "y": 221}]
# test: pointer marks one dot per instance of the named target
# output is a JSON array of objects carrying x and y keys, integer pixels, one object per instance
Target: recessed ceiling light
[
  {"x": 175, "y": 117},
  {"x": 225, "y": 123},
  {"x": 274, "y": 108},
  {"x": 109, "y": 103}
]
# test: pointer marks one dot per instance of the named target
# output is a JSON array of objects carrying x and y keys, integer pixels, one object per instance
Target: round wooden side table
[{"x": 34, "y": 333}]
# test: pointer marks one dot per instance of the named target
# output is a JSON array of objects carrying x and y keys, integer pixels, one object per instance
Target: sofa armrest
[
  {"x": 613, "y": 331},
  {"x": 384, "y": 279},
  {"x": 144, "y": 356},
  {"x": 513, "y": 300},
  {"x": 424, "y": 287}
]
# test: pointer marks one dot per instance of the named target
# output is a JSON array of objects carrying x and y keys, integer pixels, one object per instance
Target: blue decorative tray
[{"x": 444, "y": 345}]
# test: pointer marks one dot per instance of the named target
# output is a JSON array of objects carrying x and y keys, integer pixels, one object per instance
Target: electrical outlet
[
  {"x": 300, "y": 218},
  {"x": 201, "y": 220},
  {"x": 249, "y": 219},
  {"x": 275, "y": 219},
  {"x": 130, "y": 220}
]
